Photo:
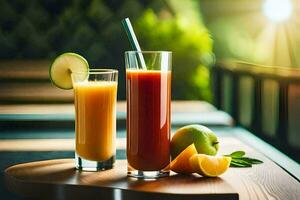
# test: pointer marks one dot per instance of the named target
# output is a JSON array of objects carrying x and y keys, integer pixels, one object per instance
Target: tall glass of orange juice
[{"x": 95, "y": 119}]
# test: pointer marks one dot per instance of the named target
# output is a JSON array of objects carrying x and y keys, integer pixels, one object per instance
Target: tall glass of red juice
[{"x": 148, "y": 87}]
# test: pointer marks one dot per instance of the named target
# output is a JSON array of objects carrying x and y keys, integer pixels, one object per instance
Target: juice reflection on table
[{"x": 148, "y": 119}]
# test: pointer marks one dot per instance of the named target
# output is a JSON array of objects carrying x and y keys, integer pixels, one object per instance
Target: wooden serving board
[{"x": 58, "y": 179}]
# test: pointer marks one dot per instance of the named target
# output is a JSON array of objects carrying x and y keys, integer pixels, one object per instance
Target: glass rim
[
  {"x": 145, "y": 52},
  {"x": 97, "y": 71}
]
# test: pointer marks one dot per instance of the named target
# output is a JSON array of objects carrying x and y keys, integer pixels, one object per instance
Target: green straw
[{"x": 133, "y": 41}]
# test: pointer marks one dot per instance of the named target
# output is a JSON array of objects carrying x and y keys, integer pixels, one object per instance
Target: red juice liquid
[{"x": 148, "y": 119}]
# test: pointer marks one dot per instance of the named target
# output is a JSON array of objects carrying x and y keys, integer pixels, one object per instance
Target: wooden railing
[{"x": 263, "y": 99}]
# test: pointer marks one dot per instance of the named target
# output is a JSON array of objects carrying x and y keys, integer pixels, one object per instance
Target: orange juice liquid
[{"x": 95, "y": 106}]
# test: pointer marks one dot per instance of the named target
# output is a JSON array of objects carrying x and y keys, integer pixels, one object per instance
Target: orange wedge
[
  {"x": 210, "y": 166},
  {"x": 181, "y": 163}
]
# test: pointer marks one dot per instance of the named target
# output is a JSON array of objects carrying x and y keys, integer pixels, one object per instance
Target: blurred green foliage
[
  {"x": 43, "y": 29},
  {"x": 46, "y": 28},
  {"x": 191, "y": 45}
]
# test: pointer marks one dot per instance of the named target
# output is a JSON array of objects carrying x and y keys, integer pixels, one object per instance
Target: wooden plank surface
[
  {"x": 58, "y": 177},
  {"x": 24, "y": 69},
  {"x": 177, "y": 106},
  {"x": 28, "y": 92},
  {"x": 18, "y": 145},
  {"x": 183, "y": 112},
  {"x": 66, "y": 144}
]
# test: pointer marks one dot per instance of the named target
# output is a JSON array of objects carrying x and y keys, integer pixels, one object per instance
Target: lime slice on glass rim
[{"x": 61, "y": 69}]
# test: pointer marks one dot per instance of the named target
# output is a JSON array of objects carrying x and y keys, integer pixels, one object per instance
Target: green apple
[{"x": 206, "y": 142}]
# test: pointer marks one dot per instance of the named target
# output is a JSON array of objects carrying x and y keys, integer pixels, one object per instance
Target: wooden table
[
  {"x": 57, "y": 179},
  {"x": 47, "y": 132}
]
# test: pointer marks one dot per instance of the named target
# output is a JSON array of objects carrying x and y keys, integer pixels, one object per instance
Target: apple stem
[{"x": 216, "y": 142}]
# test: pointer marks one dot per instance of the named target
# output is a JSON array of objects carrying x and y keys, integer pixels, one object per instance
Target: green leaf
[
  {"x": 241, "y": 161},
  {"x": 232, "y": 164},
  {"x": 237, "y": 160},
  {"x": 251, "y": 160},
  {"x": 239, "y": 164},
  {"x": 237, "y": 154}
]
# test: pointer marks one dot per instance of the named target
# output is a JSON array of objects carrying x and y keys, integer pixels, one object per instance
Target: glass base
[
  {"x": 90, "y": 165},
  {"x": 147, "y": 174}
]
